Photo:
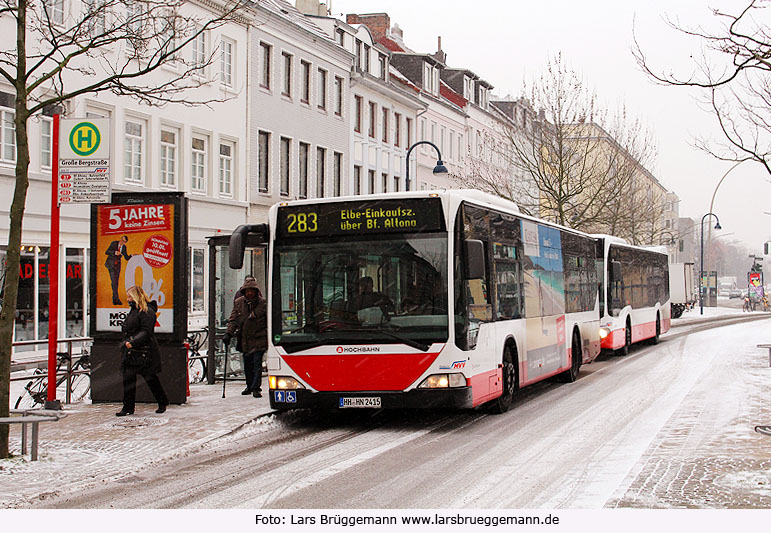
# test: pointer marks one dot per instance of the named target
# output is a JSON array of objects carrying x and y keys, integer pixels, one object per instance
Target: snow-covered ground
[{"x": 668, "y": 426}]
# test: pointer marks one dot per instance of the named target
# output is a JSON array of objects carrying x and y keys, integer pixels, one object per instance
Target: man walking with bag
[{"x": 249, "y": 321}]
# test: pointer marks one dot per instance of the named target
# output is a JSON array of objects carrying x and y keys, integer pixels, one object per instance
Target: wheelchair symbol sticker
[{"x": 291, "y": 397}]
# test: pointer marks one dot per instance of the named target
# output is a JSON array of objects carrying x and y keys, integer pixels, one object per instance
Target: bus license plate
[{"x": 366, "y": 402}]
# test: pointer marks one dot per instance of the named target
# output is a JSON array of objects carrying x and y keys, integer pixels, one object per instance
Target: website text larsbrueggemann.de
[{"x": 405, "y": 520}]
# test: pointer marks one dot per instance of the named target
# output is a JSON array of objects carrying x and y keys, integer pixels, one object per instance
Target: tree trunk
[{"x": 11, "y": 286}]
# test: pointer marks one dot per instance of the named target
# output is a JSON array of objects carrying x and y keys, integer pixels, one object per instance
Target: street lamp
[
  {"x": 439, "y": 170},
  {"x": 701, "y": 264}
]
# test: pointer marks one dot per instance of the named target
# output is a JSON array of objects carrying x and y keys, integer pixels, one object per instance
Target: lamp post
[
  {"x": 714, "y": 193},
  {"x": 701, "y": 264},
  {"x": 439, "y": 169}
]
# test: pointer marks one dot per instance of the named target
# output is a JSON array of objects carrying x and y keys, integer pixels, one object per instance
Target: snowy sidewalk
[{"x": 91, "y": 444}]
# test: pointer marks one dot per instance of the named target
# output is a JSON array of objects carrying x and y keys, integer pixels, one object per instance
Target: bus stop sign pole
[{"x": 53, "y": 274}]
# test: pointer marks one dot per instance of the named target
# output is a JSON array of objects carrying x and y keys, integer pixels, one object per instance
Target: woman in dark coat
[{"x": 138, "y": 334}]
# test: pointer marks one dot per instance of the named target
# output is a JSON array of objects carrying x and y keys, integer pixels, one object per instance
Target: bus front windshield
[{"x": 363, "y": 290}]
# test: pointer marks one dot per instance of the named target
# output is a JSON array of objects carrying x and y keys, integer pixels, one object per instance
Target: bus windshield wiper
[{"x": 409, "y": 342}]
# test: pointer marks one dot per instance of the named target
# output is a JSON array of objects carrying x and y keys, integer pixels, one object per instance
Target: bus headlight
[
  {"x": 604, "y": 332},
  {"x": 284, "y": 383},
  {"x": 443, "y": 381}
]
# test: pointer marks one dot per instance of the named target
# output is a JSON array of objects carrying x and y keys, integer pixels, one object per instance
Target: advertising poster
[{"x": 134, "y": 246}]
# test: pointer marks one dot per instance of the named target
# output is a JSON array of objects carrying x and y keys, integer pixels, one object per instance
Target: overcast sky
[{"x": 507, "y": 42}]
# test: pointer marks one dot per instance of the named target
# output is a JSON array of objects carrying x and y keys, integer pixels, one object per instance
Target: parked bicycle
[
  {"x": 36, "y": 390},
  {"x": 196, "y": 363}
]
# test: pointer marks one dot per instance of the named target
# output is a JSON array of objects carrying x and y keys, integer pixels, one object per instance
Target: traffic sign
[{"x": 84, "y": 161}]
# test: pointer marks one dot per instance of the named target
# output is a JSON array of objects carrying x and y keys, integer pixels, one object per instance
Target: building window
[
  {"x": 396, "y": 184},
  {"x": 384, "y": 177},
  {"x": 385, "y": 124},
  {"x": 383, "y": 66},
  {"x": 338, "y": 96},
  {"x": 366, "y": 58},
  {"x": 226, "y": 62},
  {"x": 305, "y": 82},
  {"x": 303, "y": 161},
  {"x": 286, "y": 60},
  {"x": 408, "y": 127},
  {"x": 452, "y": 143},
  {"x": 54, "y": 10},
  {"x": 371, "y": 175},
  {"x": 322, "y": 89},
  {"x": 356, "y": 179},
  {"x": 96, "y": 10},
  {"x": 133, "y": 155},
  {"x": 460, "y": 146},
  {"x": 265, "y": 53},
  {"x": 226, "y": 169},
  {"x": 340, "y": 36},
  {"x": 199, "y": 51},
  {"x": 433, "y": 132},
  {"x": 7, "y": 136},
  {"x": 397, "y": 129},
  {"x": 46, "y": 130},
  {"x": 372, "y": 119},
  {"x": 285, "y": 165},
  {"x": 423, "y": 130},
  {"x": 338, "y": 171},
  {"x": 263, "y": 165},
  {"x": 168, "y": 158},
  {"x": 321, "y": 171},
  {"x": 442, "y": 135},
  {"x": 357, "y": 113},
  {"x": 198, "y": 164}
]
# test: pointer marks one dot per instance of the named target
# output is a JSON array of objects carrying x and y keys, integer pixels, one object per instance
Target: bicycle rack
[{"x": 34, "y": 417}]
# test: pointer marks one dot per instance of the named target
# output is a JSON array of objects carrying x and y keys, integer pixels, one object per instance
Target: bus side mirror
[
  {"x": 474, "y": 252},
  {"x": 236, "y": 247},
  {"x": 237, "y": 243},
  {"x": 616, "y": 270}
]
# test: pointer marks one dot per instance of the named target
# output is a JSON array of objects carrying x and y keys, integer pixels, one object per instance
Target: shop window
[
  {"x": 197, "y": 261},
  {"x": 74, "y": 315}
]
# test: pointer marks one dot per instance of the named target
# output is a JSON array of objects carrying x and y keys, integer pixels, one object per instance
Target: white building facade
[{"x": 200, "y": 151}]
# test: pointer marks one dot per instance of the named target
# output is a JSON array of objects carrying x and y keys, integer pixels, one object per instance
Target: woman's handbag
[{"x": 136, "y": 358}]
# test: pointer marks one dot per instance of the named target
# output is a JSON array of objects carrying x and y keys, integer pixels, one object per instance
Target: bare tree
[
  {"x": 573, "y": 162},
  {"x": 733, "y": 73},
  {"x": 96, "y": 46}
]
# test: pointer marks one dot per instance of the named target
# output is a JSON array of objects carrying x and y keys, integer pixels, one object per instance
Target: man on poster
[{"x": 113, "y": 264}]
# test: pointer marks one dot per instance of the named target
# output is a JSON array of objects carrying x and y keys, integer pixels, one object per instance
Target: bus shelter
[{"x": 224, "y": 283}]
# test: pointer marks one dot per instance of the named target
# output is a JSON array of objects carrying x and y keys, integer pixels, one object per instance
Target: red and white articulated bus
[
  {"x": 422, "y": 299},
  {"x": 634, "y": 295}
]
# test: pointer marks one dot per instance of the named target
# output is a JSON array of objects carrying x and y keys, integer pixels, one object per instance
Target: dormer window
[
  {"x": 430, "y": 78},
  {"x": 383, "y": 66},
  {"x": 483, "y": 97},
  {"x": 468, "y": 89}
]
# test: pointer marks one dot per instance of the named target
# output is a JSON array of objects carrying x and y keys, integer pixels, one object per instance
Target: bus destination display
[{"x": 352, "y": 218}]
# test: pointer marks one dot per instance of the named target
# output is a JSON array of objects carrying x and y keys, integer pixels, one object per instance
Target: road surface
[{"x": 669, "y": 425}]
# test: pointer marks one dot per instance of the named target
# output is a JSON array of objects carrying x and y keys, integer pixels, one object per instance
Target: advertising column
[{"x": 139, "y": 239}]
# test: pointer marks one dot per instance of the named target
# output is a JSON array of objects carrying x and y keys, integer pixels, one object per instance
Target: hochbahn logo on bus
[{"x": 358, "y": 349}]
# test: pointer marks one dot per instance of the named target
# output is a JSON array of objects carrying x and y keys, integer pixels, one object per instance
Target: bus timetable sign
[
  {"x": 406, "y": 215},
  {"x": 84, "y": 161}
]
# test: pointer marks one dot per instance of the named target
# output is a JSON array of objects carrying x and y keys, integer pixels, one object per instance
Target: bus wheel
[
  {"x": 569, "y": 376},
  {"x": 627, "y": 338},
  {"x": 655, "y": 339},
  {"x": 510, "y": 381}
]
